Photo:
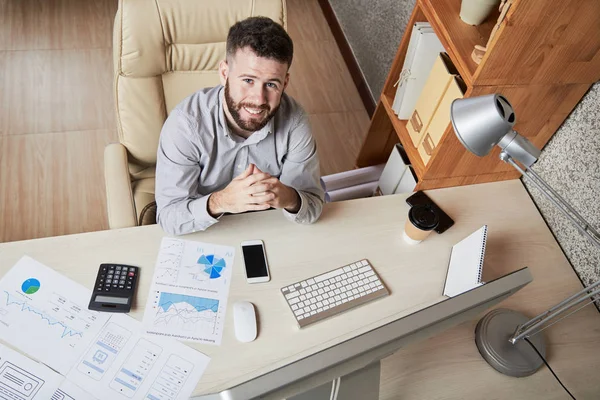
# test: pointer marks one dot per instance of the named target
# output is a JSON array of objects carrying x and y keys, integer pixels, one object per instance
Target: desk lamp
[{"x": 480, "y": 123}]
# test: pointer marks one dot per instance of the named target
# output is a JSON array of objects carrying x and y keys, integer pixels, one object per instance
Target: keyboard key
[
  {"x": 294, "y": 300},
  {"x": 292, "y": 295},
  {"x": 364, "y": 269},
  {"x": 300, "y": 304},
  {"x": 310, "y": 281},
  {"x": 302, "y": 297},
  {"x": 328, "y": 275},
  {"x": 302, "y": 291}
]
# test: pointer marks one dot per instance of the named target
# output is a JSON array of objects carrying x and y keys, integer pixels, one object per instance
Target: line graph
[
  {"x": 188, "y": 298},
  {"x": 189, "y": 313},
  {"x": 44, "y": 315}
]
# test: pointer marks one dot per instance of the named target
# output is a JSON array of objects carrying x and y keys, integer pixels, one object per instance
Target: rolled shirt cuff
[
  {"x": 199, "y": 209},
  {"x": 302, "y": 214}
]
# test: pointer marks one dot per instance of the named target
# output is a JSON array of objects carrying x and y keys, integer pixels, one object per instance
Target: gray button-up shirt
[{"x": 199, "y": 155}]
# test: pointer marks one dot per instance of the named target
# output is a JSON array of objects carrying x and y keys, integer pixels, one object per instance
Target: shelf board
[
  {"x": 458, "y": 38},
  {"x": 402, "y": 132}
]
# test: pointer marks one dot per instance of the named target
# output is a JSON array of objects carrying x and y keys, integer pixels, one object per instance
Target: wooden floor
[{"x": 57, "y": 109}]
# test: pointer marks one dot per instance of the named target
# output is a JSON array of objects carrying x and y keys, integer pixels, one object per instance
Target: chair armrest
[{"x": 119, "y": 197}]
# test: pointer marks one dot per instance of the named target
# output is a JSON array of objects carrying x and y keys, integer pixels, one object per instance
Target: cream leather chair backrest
[{"x": 164, "y": 50}]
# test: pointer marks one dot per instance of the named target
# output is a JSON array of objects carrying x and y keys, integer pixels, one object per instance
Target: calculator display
[{"x": 115, "y": 300}]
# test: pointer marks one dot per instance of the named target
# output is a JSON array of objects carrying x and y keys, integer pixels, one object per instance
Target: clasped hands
[{"x": 253, "y": 190}]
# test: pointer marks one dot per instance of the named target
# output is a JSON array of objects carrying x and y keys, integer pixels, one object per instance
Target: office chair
[{"x": 163, "y": 52}]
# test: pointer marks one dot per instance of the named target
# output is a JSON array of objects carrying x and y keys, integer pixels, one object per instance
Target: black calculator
[{"x": 114, "y": 288}]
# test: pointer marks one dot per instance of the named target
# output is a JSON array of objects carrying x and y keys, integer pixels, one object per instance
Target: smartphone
[
  {"x": 255, "y": 261},
  {"x": 421, "y": 198}
]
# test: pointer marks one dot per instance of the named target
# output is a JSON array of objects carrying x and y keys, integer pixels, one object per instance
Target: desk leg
[{"x": 359, "y": 385}]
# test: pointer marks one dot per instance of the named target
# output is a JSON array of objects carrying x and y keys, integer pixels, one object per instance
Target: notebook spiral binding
[{"x": 483, "y": 242}]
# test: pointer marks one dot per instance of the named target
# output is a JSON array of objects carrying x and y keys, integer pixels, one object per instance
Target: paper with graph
[
  {"x": 188, "y": 296},
  {"x": 45, "y": 314}
]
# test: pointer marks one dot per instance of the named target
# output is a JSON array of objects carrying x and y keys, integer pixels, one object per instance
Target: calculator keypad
[{"x": 116, "y": 278}]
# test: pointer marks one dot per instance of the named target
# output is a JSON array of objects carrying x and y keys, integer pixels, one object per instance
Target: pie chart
[
  {"x": 213, "y": 266},
  {"x": 30, "y": 286}
]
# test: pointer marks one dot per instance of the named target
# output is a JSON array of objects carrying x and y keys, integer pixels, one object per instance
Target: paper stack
[{"x": 352, "y": 184}]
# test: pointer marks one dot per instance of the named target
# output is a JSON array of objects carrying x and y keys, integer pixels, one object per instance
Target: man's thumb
[
  {"x": 247, "y": 172},
  {"x": 256, "y": 170}
]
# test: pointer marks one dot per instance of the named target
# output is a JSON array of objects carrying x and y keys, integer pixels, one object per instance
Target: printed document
[
  {"x": 122, "y": 363},
  {"x": 188, "y": 296},
  {"x": 45, "y": 314},
  {"x": 24, "y": 379}
]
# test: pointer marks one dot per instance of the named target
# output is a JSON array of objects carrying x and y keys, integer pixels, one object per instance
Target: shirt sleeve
[
  {"x": 301, "y": 171},
  {"x": 181, "y": 208}
]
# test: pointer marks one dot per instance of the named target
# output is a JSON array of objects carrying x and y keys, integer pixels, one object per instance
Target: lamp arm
[
  {"x": 580, "y": 223},
  {"x": 535, "y": 325},
  {"x": 530, "y": 327}
]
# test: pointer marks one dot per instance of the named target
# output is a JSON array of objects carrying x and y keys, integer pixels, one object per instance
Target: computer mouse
[{"x": 244, "y": 319}]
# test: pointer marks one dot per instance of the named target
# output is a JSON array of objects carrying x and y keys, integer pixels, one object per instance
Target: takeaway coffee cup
[{"x": 422, "y": 219}]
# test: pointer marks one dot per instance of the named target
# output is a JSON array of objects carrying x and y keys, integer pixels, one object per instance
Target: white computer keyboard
[{"x": 333, "y": 292}]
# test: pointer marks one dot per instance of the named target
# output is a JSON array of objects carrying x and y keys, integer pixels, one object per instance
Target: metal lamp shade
[{"x": 480, "y": 122}]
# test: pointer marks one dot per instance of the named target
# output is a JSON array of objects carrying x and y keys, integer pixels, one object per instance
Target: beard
[{"x": 251, "y": 125}]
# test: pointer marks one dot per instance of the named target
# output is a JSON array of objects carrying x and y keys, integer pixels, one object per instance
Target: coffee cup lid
[{"x": 423, "y": 217}]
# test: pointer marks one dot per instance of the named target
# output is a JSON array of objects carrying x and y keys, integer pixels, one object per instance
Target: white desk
[{"x": 347, "y": 231}]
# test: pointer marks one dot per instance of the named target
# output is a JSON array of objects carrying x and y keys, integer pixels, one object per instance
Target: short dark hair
[{"x": 265, "y": 37}]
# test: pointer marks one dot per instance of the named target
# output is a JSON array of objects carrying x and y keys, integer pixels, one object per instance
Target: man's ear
[
  {"x": 287, "y": 80},
  {"x": 223, "y": 71}
]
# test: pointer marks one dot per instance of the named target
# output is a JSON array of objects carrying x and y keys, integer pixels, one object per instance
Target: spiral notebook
[{"x": 466, "y": 264}]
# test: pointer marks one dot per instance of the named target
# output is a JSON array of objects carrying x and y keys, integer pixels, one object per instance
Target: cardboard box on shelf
[
  {"x": 440, "y": 119},
  {"x": 441, "y": 76}
]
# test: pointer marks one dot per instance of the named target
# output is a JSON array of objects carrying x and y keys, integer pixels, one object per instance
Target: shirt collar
[{"x": 222, "y": 118}]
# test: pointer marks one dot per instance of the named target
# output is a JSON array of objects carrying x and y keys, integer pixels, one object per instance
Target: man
[{"x": 242, "y": 146}]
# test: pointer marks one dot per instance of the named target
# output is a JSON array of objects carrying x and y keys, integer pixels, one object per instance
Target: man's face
[{"x": 253, "y": 88}]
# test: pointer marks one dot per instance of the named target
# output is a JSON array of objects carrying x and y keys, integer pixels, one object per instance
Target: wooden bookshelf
[
  {"x": 457, "y": 37},
  {"x": 400, "y": 129},
  {"x": 543, "y": 92}
]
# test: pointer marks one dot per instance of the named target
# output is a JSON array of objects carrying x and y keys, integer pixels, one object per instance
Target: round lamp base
[{"x": 491, "y": 336}]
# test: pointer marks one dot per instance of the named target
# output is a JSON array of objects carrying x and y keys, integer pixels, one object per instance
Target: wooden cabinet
[{"x": 543, "y": 58}]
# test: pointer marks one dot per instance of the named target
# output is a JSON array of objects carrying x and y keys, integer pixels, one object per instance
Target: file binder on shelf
[
  {"x": 423, "y": 48},
  {"x": 441, "y": 75},
  {"x": 441, "y": 119}
]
